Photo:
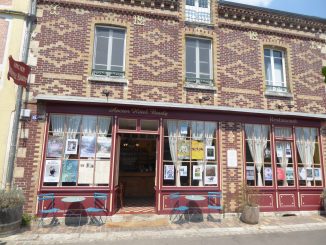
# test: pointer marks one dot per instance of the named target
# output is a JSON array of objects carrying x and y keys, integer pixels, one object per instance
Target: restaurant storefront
[{"x": 152, "y": 151}]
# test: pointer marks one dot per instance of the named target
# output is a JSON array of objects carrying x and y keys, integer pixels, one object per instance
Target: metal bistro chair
[
  {"x": 100, "y": 200},
  {"x": 42, "y": 198},
  {"x": 214, "y": 203},
  {"x": 177, "y": 209}
]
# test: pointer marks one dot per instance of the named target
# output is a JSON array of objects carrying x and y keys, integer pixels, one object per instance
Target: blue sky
[{"x": 307, "y": 7}]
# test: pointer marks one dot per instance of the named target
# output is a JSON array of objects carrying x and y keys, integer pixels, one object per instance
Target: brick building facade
[{"x": 194, "y": 75}]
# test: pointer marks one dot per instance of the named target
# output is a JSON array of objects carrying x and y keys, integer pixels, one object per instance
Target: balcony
[
  {"x": 107, "y": 73},
  {"x": 198, "y": 11}
]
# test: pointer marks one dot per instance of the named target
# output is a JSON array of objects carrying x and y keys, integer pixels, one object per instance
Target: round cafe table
[
  {"x": 195, "y": 197},
  {"x": 73, "y": 199}
]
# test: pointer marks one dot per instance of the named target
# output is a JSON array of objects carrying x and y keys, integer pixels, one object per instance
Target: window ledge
[
  {"x": 198, "y": 23},
  {"x": 198, "y": 86},
  {"x": 279, "y": 94},
  {"x": 107, "y": 79}
]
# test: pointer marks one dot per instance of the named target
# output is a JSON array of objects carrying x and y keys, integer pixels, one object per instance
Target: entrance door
[{"x": 136, "y": 174}]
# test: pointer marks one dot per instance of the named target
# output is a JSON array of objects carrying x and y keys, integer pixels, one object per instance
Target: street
[{"x": 317, "y": 237}]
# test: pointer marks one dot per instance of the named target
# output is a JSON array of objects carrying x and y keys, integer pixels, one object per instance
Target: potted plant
[
  {"x": 323, "y": 72},
  {"x": 323, "y": 197},
  {"x": 11, "y": 210},
  {"x": 250, "y": 207}
]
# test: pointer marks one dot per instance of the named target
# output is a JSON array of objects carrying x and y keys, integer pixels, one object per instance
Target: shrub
[
  {"x": 11, "y": 199},
  {"x": 26, "y": 219}
]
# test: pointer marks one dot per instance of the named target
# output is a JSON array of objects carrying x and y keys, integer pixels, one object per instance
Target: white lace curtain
[
  {"x": 305, "y": 141},
  {"x": 257, "y": 136},
  {"x": 283, "y": 159},
  {"x": 57, "y": 123},
  {"x": 172, "y": 131},
  {"x": 104, "y": 124}
]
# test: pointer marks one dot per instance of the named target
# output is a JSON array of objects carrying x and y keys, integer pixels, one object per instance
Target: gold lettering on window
[
  {"x": 253, "y": 35},
  {"x": 139, "y": 20}
]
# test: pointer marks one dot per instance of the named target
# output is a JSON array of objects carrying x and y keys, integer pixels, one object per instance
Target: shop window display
[
  {"x": 78, "y": 151},
  {"x": 190, "y": 157}
]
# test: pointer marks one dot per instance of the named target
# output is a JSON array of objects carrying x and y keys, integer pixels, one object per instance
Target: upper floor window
[
  {"x": 275, "y": 70},
  {"x": 198, "y": 11},
  {"x": 199, "y": 61},
  {"x": 109, "y": 52}
]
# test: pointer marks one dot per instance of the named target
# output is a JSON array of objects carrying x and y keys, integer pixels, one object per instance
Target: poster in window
[
  {"x": 310, "y": 175},
  {"x": 71, "y": 146},
  {"x": 183, "y": 170},
  {"x": 184, "y": 129},
  {"x": 302, "y": 174},
  {"x": 280, "y": 174},
  {"x": 54, "y": 146},
  {"x": 317, "y": 173},
  {"x": 210, "y": 175},
  {"x": 169, "y": 172},
  {"x": 183, "y": 149},
  {"x": 52, "y": 171},
  {"x": 288, "y": 153},
  {"x": 104, "y": 147},
  {"x": 86, "y": 172},
  {"x": 279, "y": 151},
  {"x": 197, "y": 172},
  {"x": 210, "y": 152},
  {"x": 197, "y": 150},
  {"x": 250, "y": 172},
  {"x": 289, "y": 173},
  {"x": 232, "y": 159},
  {"x": 268, "y": 173},
  {"x": 102, "y": 172},
  {"x": 88, "y": 146},
  {"x": 69, "y": 171}
]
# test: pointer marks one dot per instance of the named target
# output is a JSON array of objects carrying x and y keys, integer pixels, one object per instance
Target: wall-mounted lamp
[
  {"x": 203, "y": 98},
  {"x": 106, "y": 93},
  {"x": 280, "y": 106}
]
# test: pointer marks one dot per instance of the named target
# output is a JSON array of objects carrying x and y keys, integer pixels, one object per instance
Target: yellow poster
[{"x": 197, "y": 150}]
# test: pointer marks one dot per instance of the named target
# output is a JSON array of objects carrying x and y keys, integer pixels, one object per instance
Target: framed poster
[
  {"x": 69, "y": 171},
  {"x": 183, "y": 149},
  {"x": 71, "y": 146},
  {"x": 88, "y": 146},
  {"x": 183, "y": 170},
  {"x": 52, "y": 171},
  {"x": 280, "y": 174},
  {"x": 288, "y": 152},
  {"x": 86, "y": 172},
  {"x": 310, "y": 175},
  {"x": 210, "y": 152},
  {"x": 55, "y": 146},
  {"x": 279, "y": 151},
  {"x": 184, "y": 129},
  {"x": 102, "y": 172},
  {"x": 169, "y": 172},
  {"x": 289, "y": 173},
  {"x": 302, "y": 173},
  {"x": 197, "y": 172},
  {"x": 232, "y": 160},
  {"x": 250, "y": 172},
  {"x": 268, "y": 173},
  {"x": 104, "y": 147},
  {"x": 197, "y": 150},
  {"x": 317, "y": 174},
  {"x": 210, "y": 175}
]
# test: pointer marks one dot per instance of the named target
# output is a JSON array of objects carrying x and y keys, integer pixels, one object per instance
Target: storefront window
[
  {"x": 259, "y": 171},
  {"x": 78, "y": 151},
  {"x": 190, "y": 157},
  {"x": 309, "y": 165}
]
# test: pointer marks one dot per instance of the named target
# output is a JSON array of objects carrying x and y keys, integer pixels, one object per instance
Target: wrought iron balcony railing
[
  {"x": 199, "y": 17},
  {"x": 199, "y": 81},
  {"x": 273, "y": 88},
  {"x": 108, "y": 73}
]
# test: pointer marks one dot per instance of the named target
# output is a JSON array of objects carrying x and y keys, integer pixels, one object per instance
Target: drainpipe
[{"x": 31, "y": 16}]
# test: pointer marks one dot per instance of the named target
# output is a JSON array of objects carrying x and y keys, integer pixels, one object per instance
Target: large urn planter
[
  {"x": 10, "y": 220},
  {"x": 11, "y": 211},
  {"x": 250, "y": 215}
]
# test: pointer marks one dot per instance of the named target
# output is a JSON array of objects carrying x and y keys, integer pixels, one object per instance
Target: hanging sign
[{"x": 18, "y": 71}]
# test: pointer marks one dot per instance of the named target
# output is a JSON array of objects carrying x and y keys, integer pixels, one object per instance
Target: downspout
[{"x": 31, "y": 16}]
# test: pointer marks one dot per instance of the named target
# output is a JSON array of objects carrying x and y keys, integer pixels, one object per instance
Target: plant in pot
[
  {"x": 250, "y": 207},
  {"x": 323, "y": 197},
  {"x": 11, "y": 210}
]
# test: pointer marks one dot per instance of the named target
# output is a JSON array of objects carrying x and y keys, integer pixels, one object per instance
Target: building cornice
[
  {"x": 150, "y": 104},
  {"x": 269, "y": 17}
]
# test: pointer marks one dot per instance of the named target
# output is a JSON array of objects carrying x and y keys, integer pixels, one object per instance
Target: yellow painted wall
[{"x": 14, "y": 46}]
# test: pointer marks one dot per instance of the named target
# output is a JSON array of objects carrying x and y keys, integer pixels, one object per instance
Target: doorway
[{"x": 136, "y": 175}]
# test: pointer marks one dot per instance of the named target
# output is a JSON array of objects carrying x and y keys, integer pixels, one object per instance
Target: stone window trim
[
  {"x": 121, "y": 80},
  {"x": 198, "y": 86}
]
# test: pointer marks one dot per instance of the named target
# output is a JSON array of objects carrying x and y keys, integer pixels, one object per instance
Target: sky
[{"x": 307, "y": 7}]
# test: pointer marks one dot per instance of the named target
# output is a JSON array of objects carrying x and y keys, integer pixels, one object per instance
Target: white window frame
[
  {"x": 284, "y": 87},
  {"x": 109, "y": 58},
  {"x": 196, "y": 10},
  {"x": 197, "y": 59}
]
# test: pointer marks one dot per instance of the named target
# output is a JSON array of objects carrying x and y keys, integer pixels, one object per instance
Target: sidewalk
[{"x": 159, "y": 227}]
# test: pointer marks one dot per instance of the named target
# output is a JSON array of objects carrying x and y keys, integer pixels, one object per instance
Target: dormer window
[{"x": 198, "y": 11}]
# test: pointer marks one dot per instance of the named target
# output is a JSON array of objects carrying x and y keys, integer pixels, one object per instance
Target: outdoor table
[
  {"x": 195, "y": 198},
  {"x": 73, "y": 199}
]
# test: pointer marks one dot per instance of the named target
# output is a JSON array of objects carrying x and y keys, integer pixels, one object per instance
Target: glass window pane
[
  {"x": 267, "y": 52},
  {"x": 204, "y": 44},
  {"x": 278, "y": 71},
  {"x": 102, "y": 31},
  {"x": 101, "y": 53},
  {"x": 283, "y": 132},
  {"x": 116, "y": 33},
  {"x": 89, "y": 124},
  {"x": 127, "y": 124},
  {"x": 151, "y": 125},
  {"x": 190, "y": 2},
  {"x": 268, "y": 69},
  {"x": 203, "y": 4},
  {"x": 117, "y": 52},
  {"x": 191, "y": 59},
  {"x": 277, "y": 54}
]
